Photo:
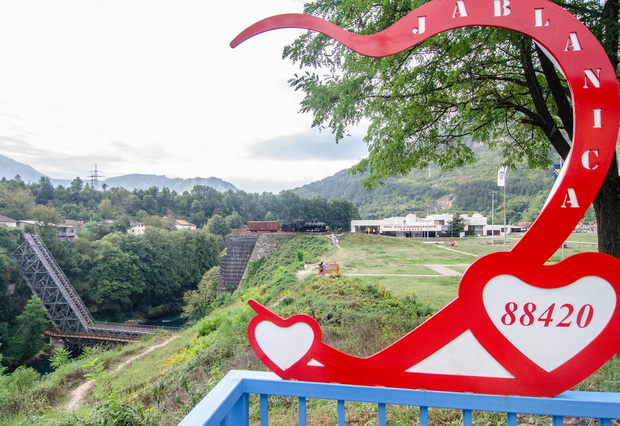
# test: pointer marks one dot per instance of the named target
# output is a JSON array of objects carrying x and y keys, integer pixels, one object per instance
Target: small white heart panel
[{"x": 284, "y": 345}]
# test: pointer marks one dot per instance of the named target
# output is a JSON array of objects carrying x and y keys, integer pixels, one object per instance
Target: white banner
[{"x": 501, "y": 176}]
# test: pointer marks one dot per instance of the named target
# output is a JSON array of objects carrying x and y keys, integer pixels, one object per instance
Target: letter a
[
  {"x": 571, "y": 198},
  {"x": 460, "y": 10},
  {"x": 573, "y": 43}
]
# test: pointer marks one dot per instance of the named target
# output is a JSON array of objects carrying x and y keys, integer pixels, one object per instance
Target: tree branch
[{"x": 548, "y": 126}]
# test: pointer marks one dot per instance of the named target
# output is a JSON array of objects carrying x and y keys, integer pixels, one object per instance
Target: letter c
[{"x": 586, "y": 159}]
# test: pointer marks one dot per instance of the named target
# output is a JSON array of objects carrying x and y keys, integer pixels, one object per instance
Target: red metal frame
[{"x": 596, "y": 102}]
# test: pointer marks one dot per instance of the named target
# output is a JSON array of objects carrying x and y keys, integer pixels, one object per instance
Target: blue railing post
[
  {"x": 467, "y": 417},
  {"x": 228, "y": 403},
  {"x": 341, "y": 413},
  {"x": 239, "y": 413},
  {"x": 381, "y": 415},
  {"x": 423, "y": 416},
  {"x": 264, "y": 410},
  {"x": 302, "y": 411}
]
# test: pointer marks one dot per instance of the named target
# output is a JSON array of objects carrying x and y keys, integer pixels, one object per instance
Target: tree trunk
[{"x": 607, "y": 210}]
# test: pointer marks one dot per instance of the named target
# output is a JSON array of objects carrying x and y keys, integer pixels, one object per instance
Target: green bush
[
  {"x": 23, "y": 378},
  {"x": 61, "y": 357}
]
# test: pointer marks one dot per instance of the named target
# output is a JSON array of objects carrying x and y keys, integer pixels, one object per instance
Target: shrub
[{"x": 61, "y": 357}]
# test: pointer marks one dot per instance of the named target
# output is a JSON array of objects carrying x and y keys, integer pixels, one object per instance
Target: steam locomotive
[{"x": 303, "y": 226}]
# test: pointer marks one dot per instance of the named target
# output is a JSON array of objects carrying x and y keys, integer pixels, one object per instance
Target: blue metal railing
[{"x": 228, "y": 403}]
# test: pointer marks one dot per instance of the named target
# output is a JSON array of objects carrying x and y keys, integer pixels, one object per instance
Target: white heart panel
[
  {"x": 284, "y": 345},
  {"x": 549, "y": 326}
]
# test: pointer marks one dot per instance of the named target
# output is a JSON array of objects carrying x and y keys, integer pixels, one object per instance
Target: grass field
[
  {"x": 436, "y": 292},
  {"x": 405, "y": 265}
]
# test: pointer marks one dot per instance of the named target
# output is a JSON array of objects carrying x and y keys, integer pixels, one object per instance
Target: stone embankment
[{"x": 242, "y": 249}]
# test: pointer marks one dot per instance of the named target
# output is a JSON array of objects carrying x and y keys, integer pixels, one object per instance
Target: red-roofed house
[
  {"x": 7, "y": 222},
  {"x": 183, "y": 224}
]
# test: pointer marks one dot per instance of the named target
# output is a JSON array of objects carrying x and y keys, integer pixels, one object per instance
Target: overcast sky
[{"x": 151, "y": 86}]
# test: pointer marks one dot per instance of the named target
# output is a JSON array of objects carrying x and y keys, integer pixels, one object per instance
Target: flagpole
[
  {"x": 492, "y": 218},
  {"x": 505, "y": 231},
  {"x": 501, "y": 181}
]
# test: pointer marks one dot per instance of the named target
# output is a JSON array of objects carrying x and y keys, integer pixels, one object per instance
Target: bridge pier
[{"x": 56, "y": 342}]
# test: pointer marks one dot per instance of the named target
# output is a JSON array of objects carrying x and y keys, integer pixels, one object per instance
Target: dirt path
[
  {"x": 457, "y": 251},
  {"x": 79, "y": 394}
]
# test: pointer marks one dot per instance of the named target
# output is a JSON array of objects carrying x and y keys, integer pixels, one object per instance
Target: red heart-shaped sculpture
[{"x": 518, "y": 326}]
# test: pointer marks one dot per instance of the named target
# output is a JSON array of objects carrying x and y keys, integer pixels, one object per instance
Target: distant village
[
  {"x": 68, "y": 229},
  {"x": 410, "y": 226}
]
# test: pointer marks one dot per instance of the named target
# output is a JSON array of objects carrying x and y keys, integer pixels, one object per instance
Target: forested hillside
[
  {"x": 121, "y": 276},
  {"x": 466, "y": 190},
  {"x": 44, "y": 202}
]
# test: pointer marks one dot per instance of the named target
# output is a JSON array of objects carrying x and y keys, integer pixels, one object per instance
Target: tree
[
  {"x": 77, "y": 185},
  {"x": 216, "y": 225},
  {"x": 45, "y": 215},
  {"x": 44, "y": 191},
  {"x": 105, "y": 209},
  {"x": 15, "y": 201},
  {"x": 31, "y": 324},
  {"x": 116, "y": 277},
  {"x": 198, "y": 303},
  {"x": 149, "y": 203},
  {"x": 197, "y": 215},
  {"x": 457, "y": 225},
  {"x": 425, "y": 103},
  {"x": 46, "y": 218},
  {"x": 234, "y": 221},
  {"x": 153, "y": 221}
]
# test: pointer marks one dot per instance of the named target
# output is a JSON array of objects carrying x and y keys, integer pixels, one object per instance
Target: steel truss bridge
[{"x": 68, "y": 314}]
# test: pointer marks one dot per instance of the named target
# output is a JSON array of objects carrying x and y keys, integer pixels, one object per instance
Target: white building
[
  {"x": 437, "y": 225},
  {"x": 183, "y": 224},
  {"x": 136, "y": 228}
]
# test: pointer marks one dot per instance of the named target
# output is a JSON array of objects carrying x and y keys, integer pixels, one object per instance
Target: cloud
[{"x": 310, "y": 145}]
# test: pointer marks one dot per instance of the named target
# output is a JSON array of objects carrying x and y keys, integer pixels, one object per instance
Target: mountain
[
  {"x": 138, "y": 181},
  {"x": 469, "y": 189},
  {"x": 10, "y": 168}
]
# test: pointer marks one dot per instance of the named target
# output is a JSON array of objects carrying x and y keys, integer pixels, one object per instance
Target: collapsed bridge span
[{"x": 65, "y": 309}]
